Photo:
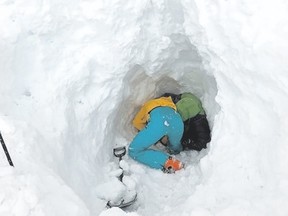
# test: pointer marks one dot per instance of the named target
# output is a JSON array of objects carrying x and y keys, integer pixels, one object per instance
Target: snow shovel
[{"x": 119, "y": 152}]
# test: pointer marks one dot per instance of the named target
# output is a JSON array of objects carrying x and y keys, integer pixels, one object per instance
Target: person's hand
[
  {"x": 172, "y": 152},
  {"x": 165, "y": 140}
]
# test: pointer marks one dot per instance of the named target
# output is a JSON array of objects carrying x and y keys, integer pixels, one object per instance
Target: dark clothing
[
  {"x": 174, "y": 97},
  {"x": 196, "y": 127},
  {"x": 196, "y": 133}
]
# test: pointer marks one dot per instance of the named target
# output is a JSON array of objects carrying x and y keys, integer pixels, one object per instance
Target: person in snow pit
[
  {"x": 157, "y": 118},
  {"x": 196, "y": 128}
]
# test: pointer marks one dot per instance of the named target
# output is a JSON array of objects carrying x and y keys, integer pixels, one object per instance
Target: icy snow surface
[{"x": 74, "y": 73}]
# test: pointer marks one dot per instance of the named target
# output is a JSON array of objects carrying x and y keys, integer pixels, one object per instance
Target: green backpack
[{"x": 189, "y": 106}]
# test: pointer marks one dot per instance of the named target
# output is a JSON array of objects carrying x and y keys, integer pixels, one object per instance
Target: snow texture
[{"x": 74, "y": 73}]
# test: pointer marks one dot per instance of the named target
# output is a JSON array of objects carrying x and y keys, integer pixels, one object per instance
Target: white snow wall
[{"x": 73, "y": 73}]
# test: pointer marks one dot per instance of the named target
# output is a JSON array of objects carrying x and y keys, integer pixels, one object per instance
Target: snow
[
  {"x": 166, "y": 123},
  {"x": 74, "y": 73}
]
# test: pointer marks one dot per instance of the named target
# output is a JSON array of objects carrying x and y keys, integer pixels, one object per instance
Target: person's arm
[{"x": 140, "y": 119}]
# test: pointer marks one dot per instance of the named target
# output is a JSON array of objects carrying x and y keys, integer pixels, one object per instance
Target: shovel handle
[{"x": 119, "y": 152}]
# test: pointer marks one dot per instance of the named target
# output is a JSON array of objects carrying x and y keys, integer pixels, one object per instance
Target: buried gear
[{"x": 196, "y": 133}]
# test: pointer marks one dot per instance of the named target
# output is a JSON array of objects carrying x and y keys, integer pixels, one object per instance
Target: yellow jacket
[{"x": 143, "y": 116}]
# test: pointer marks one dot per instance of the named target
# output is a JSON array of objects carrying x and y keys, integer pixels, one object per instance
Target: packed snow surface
[{"x": 74, "y": 73}]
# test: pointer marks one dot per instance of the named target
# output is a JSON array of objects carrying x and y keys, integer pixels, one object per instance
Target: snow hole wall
[{"x": 72, "y": 82}]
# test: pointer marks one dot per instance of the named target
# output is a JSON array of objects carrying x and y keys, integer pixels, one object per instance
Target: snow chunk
[
  {"x": 113, "y": 190},
  {"x": 117, "y": 212},
  {"x": 124, "y": 165},
  {"x": 166, "y": 123}
]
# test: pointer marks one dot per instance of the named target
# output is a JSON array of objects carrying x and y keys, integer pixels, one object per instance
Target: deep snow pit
[
  {"x": 72, "y": 85},
  {"x": 159, "y": 193},
  {"x": 74, "y": 73}
]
